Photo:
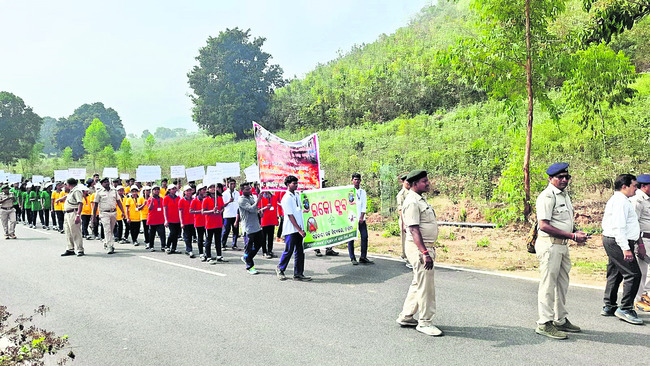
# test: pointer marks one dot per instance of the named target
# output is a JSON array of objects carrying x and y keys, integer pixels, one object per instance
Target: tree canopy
[
  {"x": 233, "y": 83},
  {"x": 20, "y": 128},
  {"x": 96, "y": 139}
]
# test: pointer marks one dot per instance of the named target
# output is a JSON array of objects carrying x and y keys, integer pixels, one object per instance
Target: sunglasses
[{"x": 565, "y": 176}]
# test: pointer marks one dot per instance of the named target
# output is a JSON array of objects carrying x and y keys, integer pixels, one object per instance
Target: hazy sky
[{"x": 134, "y": 55}]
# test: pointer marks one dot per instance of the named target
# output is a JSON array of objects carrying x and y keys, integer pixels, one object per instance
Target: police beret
[
  {"x": 403, "y": 177},
  {"x": 415, "y": 175},
  {"x": 557, "y": 168},
  {"x": 104, "y": 180},
  {"x": 5, "y": 187},
  {"x": 643, "y": 179}
]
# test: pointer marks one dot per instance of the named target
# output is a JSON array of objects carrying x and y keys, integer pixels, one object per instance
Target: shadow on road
[{"x": 379, "y": 272}]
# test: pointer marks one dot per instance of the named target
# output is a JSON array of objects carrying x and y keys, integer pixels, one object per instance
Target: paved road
[{"x": 139, "y": 308}]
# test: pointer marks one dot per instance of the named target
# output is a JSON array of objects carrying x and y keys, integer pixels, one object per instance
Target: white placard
[
  {"x": 229, "y": 169},
  {"x": 77, "y": 173},
  {"x": 14, "y": 178},
  {"x": 194, "y": 174},
  {"x": 252, "y": 173},
  {"x": 211, "y": 179},
  {"x": 148, "y": 173},
  {"x": 110, "y": 173},
  {"x": 124, "y": 176},
  {"x": 61, "y": 175},
  {"x": 3, "y": 176},
  {"x": 177, "y": 171},
  {"x": 37, "y": 179}
]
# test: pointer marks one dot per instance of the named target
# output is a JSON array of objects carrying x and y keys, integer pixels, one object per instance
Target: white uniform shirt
[
  {"x": 291, "y": 206},
  {"x": 620, "y": 220},
  {"x": 641, "y": 203},
  {"x": 362, "y": 201},
  {"x": 230, "y": 210}
]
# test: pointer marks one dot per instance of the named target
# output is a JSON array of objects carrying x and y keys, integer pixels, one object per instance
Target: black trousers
[
  {"x": 134, "y": 229},
  {"x": 279, "y": 234},
  {"x": 85, "y": 222},
  {"x": 213, "y": 235},
  {"x": 268, "y": 232},
  {"x": 59, "y": 219},
  {"x": 174, "y": 230},
  {"x": 145, "y": 230},
  {"x": 160, "y": 230},
  {"x": 46, "y": 216},
  {"x": 118, "y": 231},
  {"x": 53, "y": 213},
  {"x": 619, "y": 271},
  {"x": 188, "y": 234},
  {"x": 255, "y": 242},
  {"x": 200, "y": 234},
  {"x": 17, "y": 208}
]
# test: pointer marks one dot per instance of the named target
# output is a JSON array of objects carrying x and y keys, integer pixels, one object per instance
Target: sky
[{"x": 134, "y": 55}]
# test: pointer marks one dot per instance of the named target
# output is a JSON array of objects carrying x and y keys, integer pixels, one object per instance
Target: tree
[
  {"x": 611, "y": 18},
  {"x": 96, "y": 139},
  {"x": 109, "y": 117},
  {"x": 233, "y": 83},
  {"x": 66, "y": 156},
  {"x": 69, "y": 133},
  {"x": 164, "y": 133},
  {"x": 145, "y": 134},
  {"x": 149, "y": 143},
  {"x": 107, "y": 156},
  {"x": 35, "y": 157},
  {"x": 512, "y": 58},
  {"x": 46, "y": 135},
  {"x": 125, "y": 155},
  {"x": 20, "y": 128}
]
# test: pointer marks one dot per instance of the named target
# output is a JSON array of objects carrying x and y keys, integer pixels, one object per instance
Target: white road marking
[
  {"x": 184, "y": 266},
  {"x": 38, "y": 230},
  {"x": 490, "y": 273}
]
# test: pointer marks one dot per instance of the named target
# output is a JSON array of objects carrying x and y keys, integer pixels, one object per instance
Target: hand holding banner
[{"x": 329, "y": 217}]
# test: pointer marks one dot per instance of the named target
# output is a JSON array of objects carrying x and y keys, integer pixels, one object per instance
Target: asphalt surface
[{"x": 141, "y": 308}]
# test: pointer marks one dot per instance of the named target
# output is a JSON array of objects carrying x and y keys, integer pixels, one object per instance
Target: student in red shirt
[
  {"x": 213, "y": 209},
  {"x": 172, "y": 219},
  {"x": 187, "y": 219},
  {"x": 156, "y": 219},
  {"x": 196, "y": 208},
  {"x": 278, "y": 198},
  {"x": 268, "y": 205}
]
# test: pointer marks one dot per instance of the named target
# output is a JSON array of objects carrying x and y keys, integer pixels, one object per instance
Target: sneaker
[
  {"x": 330, "y": 251},
  {"x": 135, "y": 243},
  {"x": 171, "y": 251},
  {"x": 80, "y": 254},
  {"x": 628, "y": 316},
  {"x": 243, "y": 259},
  {"x": 301, "y": 278},
  {"x": 409, "y": 265},
  {"x": 567, "y": 327},
  {"x": 67, "y": 253},
  {"x": 191, "y": 254},
  {"x": 642, "y": 306},
  {"x": 221, "y": 259},
  {"x": 354, "y": 261},
  {"x": 318, "y": 253},
  {"x": 152, "y": 249},
  {"x": 234, "y": 247},
  {"x": 7, "y": 237},
  {"x": 430, "y": 330},
  {"x": 252, "y": 271},
  {"x": 280, "y": 274},
  {"x": 45, "y": 227},
  {"x": 268, "y": 256},
  {"x": 408, "y": 322},
  {"x": 203, "y": 258},
  {"x": 13, "y": 236},
  {"x": 110, "y": 251},
  {"x": 549, "y": 330},
  {"x": 366, "y": 261},
  {"x": 608, "y": 310}
]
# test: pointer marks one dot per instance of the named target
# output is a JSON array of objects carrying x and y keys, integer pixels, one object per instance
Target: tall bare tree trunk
[{"x": 529, "y": 129}]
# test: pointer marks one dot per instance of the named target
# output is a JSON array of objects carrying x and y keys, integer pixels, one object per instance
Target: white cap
[
  {"x": 187, "y": 186},
  {"x": 146, "y": 188},
  {"x": 119, "y": 187},
  {"x": 134, "y": 187},
  {"x": 171, "y": 186}
]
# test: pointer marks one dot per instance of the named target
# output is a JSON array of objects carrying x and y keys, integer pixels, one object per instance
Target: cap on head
[
  {"x": 89, "y": 181},
  {"x": 134, "y": 188},
  {"x": 643, "y": 179},
  {"x": 187, "y": 188},
  {"x": 155, "y": 187},
  {"x": 146, "y": 188},
  {"x": 104, "y": 180},
  {"x": 557, "y": 168},
  {"x": 415, "y": 175},
  {"x": 200, "y": 187},
  {"x": 171, "y": 186},
  {"x": 403, "y": 176}
]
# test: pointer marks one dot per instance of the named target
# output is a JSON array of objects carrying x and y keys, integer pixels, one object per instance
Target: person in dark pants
[
  {"x": 156, "y": 219},
  {"x": 196, "y": 208},
  {"x": 249, "y": 214},
  {"x": 230, "y": 214},
  {"x": 172, "y": 219},
  {"x": 294, "y": 232},
  {"x": 621, "y": 233},
  {"x": 143, "y": 207},
  {"x": 187, "y": 219},
  {"x": 212, "y": 208},
  {"x": 268, "y": 206},
  {"x": 46, "y": 197},
  {"x": 361, "y": 201}
]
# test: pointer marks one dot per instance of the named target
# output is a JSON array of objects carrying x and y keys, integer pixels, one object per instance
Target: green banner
[{"x": 329, "y": 217}]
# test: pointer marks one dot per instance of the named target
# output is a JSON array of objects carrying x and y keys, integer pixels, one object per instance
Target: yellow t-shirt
[
  {"x": 59, "y": 206},
  {"x": 127, "y": 190},
  {"x": 163, "y": 191},
  {"x": 87, "y": 208},
  {"x": 133, "y": 214},
  {"x": 119, "y": 212},
  {"x": 145, "y": 210}
]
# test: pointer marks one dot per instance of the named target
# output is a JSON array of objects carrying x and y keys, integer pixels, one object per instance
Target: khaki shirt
[
  {"x": 8, "y": 203},
  {"x": 74, "y": 198},
  {"x": 417, "y": 212},
  {"x": 641, "y": 203},
  {"x": 400, "y": 198},
  {"x": 555, "y": 206},
  {"x": 106, "y": 199}
]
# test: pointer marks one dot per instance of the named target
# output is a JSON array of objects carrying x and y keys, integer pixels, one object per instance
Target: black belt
[
  {"x": 645, "y": 235},
  {"x": 110, "y": 211},
  {"x": 7, "y": 208},
  {"x": 68, "y": 211}
]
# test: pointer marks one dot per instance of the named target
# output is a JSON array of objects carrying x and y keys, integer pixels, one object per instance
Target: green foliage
[
  {"x": 95, "y": 139},
  {"x": 66, "y": 156},
  {"x": 107, "y": 156},
  {"x": 20, "y": 128},
  {"x": 391, "y": 228},
  {"x": 145, "y": 134},
  {"x": 611, "y": 18},
  {"x": 483, "y": 243},
  {"x": 164, "y": 133},
  {"x": 46, "y": 136},
  {"x": 125, "y": 155},
  {"x": 232, "y": 83},
  {"x": 149, "y": 153}
]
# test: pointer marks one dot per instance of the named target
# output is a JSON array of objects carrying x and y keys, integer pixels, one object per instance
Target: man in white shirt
[
  {"x": 620, "y": 234},
  {"x": 361, "y": 201},
  {"x": 641, "y": 202},
  {"x": 293, "y": 230},
  {"x": 230, "y": 212}
]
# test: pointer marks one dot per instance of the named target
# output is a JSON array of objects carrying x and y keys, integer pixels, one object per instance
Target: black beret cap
[
  {"x": 103, "y": 180},
  {"x": 557, "y": 168},
  {"x": 415, "y": 175}
]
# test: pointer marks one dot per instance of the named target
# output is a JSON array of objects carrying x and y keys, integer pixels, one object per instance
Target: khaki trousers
[
  {"x": 402, "y": 235},
  {"x": 421, "y": 296},
  {"x": 73, "y": 232},
  {"x": 8, "y": 218},
  {"x": 643, "y": 266},
  {"x": 554, "y": 267},
  {"x": 108, "y": 220}
]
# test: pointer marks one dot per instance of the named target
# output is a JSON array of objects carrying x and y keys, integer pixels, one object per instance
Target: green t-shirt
[
  {"x": 17, "y": 194},
  {"x": 35, "y": 200},
  {"x": 23, "y": 199},
  {"x": 47, "y": 200}
]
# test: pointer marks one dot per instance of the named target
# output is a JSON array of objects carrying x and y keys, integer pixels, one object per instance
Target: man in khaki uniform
[
  {"x": 555, "y": 219},
  {"x": 422, "y": 232},
  {"x": 7, "y": 212},
  {"x": 107, "y": 200},
  {"x": 400, "y": 202},
  {"x": 72, "y": 219},
  {"x": 641, "y": 202}
]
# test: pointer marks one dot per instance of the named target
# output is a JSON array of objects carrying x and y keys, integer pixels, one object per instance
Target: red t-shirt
[
  {"x": 155, "y": 216},
  {"x": 270, "y": 216},
  {"x": 184, "y": 206},
  {"x": 197, "y": 205},
  {"x": 172, "y": 208},
  {"x": 278, "y": 198},
  {"x": 213, "y": 221}
]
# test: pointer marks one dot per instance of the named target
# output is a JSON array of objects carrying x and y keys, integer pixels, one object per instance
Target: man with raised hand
[{"x": 230, "y": 212}]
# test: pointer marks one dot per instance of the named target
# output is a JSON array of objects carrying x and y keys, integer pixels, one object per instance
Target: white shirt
[
  {"x": 620, "y": 221},
  {"x": 291, "y": 206},
  {"x": 362, "y": 201},
  {"x": 231, "y": 209}
]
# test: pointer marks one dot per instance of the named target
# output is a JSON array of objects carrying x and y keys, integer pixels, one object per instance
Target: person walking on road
[
  {"x": 401, "y": 195},
  {"x": 72, "y": 219},
  {"x": 249, "y": 211},
  {"x": 555, "y": 220},
  {"x": 7, "y": 212},
  {"x": 293, "y": 231},
  {"x": 106, "y": 201},
  {"x": 420, "y": 218},
  {"x": 641, "y": 202},
  {"x": 621, "y": 233},
  {"x": 361, "y": 201},
  {"x": 230, "y": 213}
]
